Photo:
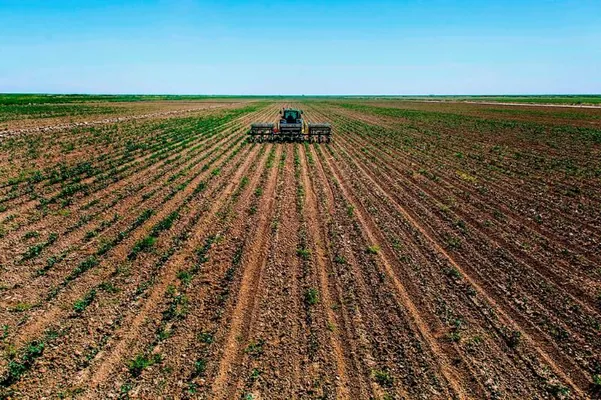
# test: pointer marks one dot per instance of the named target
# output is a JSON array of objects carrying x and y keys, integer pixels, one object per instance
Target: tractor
[{"x": 290, "y": 128}]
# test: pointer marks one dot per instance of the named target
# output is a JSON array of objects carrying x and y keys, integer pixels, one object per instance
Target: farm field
[{"x": 430, "y": 251}]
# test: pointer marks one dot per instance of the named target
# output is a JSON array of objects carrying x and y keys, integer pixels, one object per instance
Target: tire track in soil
[
  {"x": 167, "y": 275},
  {"x": 318, "y": 241},
  {"x": 254, "y": 261},
  {"x": 277, "y": 322},
  {"x": 543, "y": 349},
  {"x": 352, "y": 323}
]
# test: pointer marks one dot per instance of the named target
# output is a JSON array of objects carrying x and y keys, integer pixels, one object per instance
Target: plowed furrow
[
  {"x": 119, "y": 253},
  {"x": 509, "y": 193},
  {"x": 253, "y": 262},
  {"x": 350, "y": 382},
  {"x": 547, "y": 346},
  {"x": 533, "y": 304},
  {"x": 193, "y": 173},
  {"x": 417, "y": 321},
  {"x": 190, "y": 338},
  {"x": 168, "y": 274}
]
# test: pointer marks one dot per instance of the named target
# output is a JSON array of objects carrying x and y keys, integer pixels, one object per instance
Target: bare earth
[{"x": 431, "y": 251}]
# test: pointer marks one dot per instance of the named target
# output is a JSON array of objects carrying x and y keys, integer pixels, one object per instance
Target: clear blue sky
[{"x": 300, "y": 47}]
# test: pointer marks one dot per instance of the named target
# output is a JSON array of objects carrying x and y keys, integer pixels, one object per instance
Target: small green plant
[
  {"x": 21, "y": 307},
  {"x": 597, "y": 382},
  {"x": 142, "y": 245},
  {"x": 125, "y": 389},
  {"x": 31, "y": 234},
  {"x": 382, "y": 377},
  {"x": 141, "y": 362},
  {"x": 558, "y": 390},
  {"x": 454, "y": 336},
  {"x": 200, "y": 366},
  {"x": 200, "y": 187},
  {"x": 303, "y": 253},
  {"x": 81, "y": 305},
  {"x": 178, "y": 307},
  {"x": 17, "y": 367},
  {"x": 163, "y": 333},
  {"x": 185, "y": 277},
  {"x": 312, "y": 296},
  {"x": 374, "y": 249},
  {"x": 255, "y": 348},
  {"x": 499, "y": 215},
  {"x": 460, "y": 224},
  {"x": 164, "y": 224},
  {"x": 205, "y": 337},
  {"x": 192, "y": 388},
  {"x": 452, "y": 242},
  {"x": 33, "y": 251},
  {"x": 108, "y": 287},
  {"x": 340, "y": 259},
  {"x": 255, "y": 374},
  {"x": 453, "y": 273},
  {"x": 83, "y": 266},
  {"x": 52, "y": 237}
]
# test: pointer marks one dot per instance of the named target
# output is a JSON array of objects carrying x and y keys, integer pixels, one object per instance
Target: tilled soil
[{"x": 431, "y": 251}]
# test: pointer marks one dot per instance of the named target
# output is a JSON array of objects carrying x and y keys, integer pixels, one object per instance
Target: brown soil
[{"x": 416, "y": 256}]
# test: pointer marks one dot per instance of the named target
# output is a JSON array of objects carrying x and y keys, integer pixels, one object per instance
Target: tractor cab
[{"x": 291, "y": 116}]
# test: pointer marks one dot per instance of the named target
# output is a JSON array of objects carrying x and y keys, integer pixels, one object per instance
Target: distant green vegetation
[
  {"x": 27, "y": 99},
  {"x": 30, "y": 106},
  {"x": 542, "y": 99},
  {"x": 531, "y": 130},
  {"x": 28, "y": 111},
  {"x": 575, "y": 99}
]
